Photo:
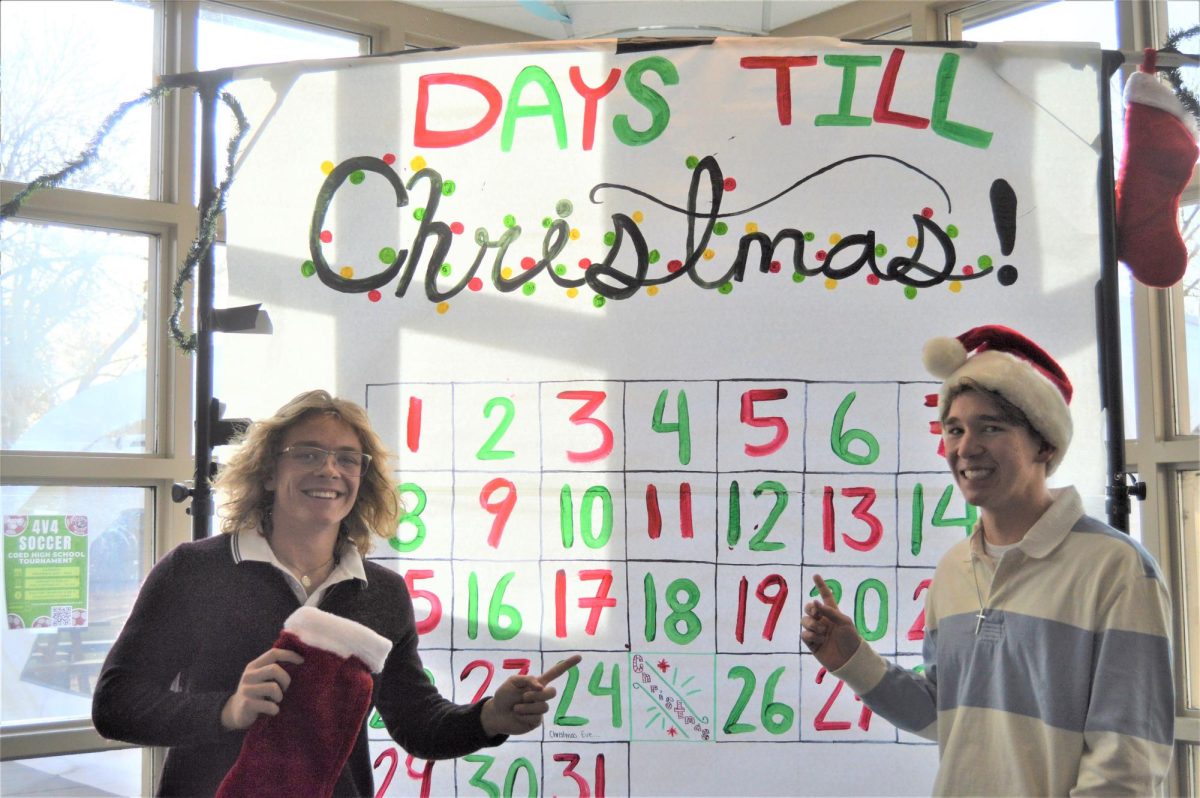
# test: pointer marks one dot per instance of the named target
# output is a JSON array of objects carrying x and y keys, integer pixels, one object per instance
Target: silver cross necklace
[{"x": 980, "y": 616}]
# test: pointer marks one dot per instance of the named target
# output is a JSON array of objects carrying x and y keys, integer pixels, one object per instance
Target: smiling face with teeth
[
  {"x": 998, "y": 461},
  {"x": 314, "y": 501}
]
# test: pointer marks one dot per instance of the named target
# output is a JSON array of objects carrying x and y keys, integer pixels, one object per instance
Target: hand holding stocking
[{"x": 301, "y": 750}]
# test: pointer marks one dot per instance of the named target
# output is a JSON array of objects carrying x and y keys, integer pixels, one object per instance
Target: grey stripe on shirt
[{"x": 1011, "y": 664}]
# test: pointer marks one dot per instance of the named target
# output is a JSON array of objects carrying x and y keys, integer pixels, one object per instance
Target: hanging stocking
[
  {"x": 300, "y": 752},
  {"x": 1160, "y": 153}
]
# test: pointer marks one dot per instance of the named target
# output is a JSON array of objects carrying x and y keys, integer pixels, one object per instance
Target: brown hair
[
  {"x": 247, "y": 503},
  {"x": 1008, "y": 411}
]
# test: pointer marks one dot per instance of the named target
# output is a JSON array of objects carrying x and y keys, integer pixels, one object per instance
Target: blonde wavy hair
[{"x": 247, "y": 503}]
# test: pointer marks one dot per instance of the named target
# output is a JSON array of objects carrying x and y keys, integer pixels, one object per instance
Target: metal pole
[
  {"x": 1108, "y": 332},
  {"x": 202, "y": 498}
]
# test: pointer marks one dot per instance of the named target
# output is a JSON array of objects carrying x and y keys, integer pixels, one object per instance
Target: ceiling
[{"x": 585, "y": 19}]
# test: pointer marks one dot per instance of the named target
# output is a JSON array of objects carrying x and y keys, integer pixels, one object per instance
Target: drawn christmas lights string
[
  {"x": 669, "y": 707},
  {"x": 609, "y": 281}
]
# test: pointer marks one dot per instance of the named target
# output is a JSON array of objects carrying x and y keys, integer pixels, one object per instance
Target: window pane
[
  {"x": 1189, "y": 602},
  {"x": 49, "y": 673},
  {"x": 1052, "y": 22},
  {"x": 1189, "y": 767},
  {"x": 66, "y": 67},
  {"x": 1182, "y": 15},
  {"x": 74, "y": 341},
  {"x": 1187, "y": 386},
  {"x": 1076, "y": 22},
  {"x": 230, "y": 37},
  {"x": 1055, "y": 22},
  {"x": 100, "y": 774}
]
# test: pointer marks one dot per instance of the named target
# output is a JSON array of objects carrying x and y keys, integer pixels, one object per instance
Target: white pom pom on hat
[
  {"x": 1003, "y": 360},
  {"x": 943, "y": 356}
]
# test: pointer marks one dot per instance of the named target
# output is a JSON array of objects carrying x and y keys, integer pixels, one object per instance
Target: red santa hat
[{"x": 1002, "y": 360}]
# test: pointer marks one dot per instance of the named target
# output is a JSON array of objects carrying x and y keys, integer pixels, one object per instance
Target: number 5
[{"x": 777, "y": 422}]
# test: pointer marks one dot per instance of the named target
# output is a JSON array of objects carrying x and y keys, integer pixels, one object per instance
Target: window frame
[
  {"x": 171, "y": 216},
  {"x": 171, "y": 219}
]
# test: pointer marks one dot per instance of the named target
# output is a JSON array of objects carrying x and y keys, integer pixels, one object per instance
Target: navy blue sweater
[{"x": 200, "y": 618}]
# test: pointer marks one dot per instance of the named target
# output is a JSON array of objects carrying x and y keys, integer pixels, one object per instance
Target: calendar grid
[{"x": 678, "y": 525}]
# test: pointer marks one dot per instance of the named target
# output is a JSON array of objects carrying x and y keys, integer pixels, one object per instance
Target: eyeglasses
[{"x": 349, "y": 463}]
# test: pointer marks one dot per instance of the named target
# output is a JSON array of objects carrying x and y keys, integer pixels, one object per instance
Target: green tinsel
[
  {"x": 56, "y": 179},
  {"x": 208, "y": 230},
  {"x": 1186, "y": 97},
  {"x": 208, "y": 212}
]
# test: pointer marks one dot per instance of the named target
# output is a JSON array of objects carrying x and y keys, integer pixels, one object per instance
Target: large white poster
[{"x": 642, "y": 323}]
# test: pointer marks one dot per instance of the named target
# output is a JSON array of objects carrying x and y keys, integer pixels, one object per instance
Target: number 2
[
  {"x": 509, "y": 411},
  {"x": 388, "y": 753},
  {"x": 917, "y": 630},
  {"x": 821, "y": 724}
]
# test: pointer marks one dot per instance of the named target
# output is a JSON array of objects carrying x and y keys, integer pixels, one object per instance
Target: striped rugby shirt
[{"x": 1066, "y": 688}]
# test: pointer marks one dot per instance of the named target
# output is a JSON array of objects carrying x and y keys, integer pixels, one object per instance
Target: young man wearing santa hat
[{"x": 1047, "y": 651}]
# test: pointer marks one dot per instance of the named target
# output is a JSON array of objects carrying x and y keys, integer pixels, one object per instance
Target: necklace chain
[{"x": 306, "y": 577}]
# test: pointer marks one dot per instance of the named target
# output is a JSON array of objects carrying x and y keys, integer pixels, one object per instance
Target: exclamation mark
[
  {"x": 414, "y": 424},
  {"x": 1004, "y": 216}
]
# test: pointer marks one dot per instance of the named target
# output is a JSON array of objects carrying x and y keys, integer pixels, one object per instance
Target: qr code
[{"x": 61, "y": 616}]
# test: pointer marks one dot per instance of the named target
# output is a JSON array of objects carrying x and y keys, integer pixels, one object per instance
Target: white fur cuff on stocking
[{"x": 339, "y": 635}]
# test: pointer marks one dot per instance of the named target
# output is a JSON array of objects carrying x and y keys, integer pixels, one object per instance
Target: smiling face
[
  {"x": 314, "y": 500},
  {"x": 997, "y": 461}
]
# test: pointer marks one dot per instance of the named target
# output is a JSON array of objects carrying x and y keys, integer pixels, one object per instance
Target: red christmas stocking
[
  {"x": 1160, "y": 153},
  {"x": 300, "y": 752}
]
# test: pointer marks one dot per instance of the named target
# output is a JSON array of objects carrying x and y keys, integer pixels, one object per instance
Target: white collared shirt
[{"x": 250, "y": 545}]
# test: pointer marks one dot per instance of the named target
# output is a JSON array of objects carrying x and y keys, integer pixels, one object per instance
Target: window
[
  {"x": 1186, "y": 304},
  {"x": 95, "y": 401},
  {"x": 76, "y": 344},
  {"x": 235, "y": 37},
  {"x": 67, "y": 66},
  {"x": 1041, "y": 22},
  {"x": 50, "y": 670}
]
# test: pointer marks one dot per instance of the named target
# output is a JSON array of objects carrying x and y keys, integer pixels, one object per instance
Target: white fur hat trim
[{"x": 342, "y": 636}]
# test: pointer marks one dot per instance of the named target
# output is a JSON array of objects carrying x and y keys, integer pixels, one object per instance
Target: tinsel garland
[
  {"x": 208, "y": 229},
  {"x": 56, "y": 179},
  {"x": 1185, "y": 95},
  {"x": 209, "y": 212}
]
